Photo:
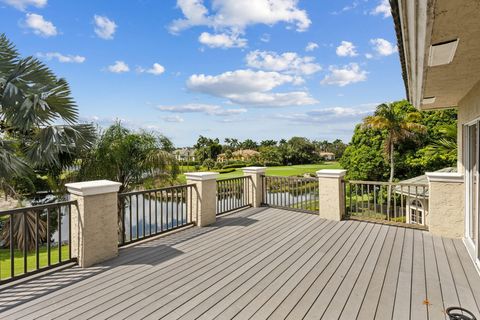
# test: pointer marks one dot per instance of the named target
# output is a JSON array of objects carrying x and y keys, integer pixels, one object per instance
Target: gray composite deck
[{"x": 263, "y": 263}]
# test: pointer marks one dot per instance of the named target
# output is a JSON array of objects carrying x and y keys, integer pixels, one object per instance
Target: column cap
[
  {"x": 91, "y": 188},
  {"x": 254, "y": 169},
  {"x": 453, "y": 177},
  {"x": 201, "y": 176},
  {"x": 331, "y": 173}
]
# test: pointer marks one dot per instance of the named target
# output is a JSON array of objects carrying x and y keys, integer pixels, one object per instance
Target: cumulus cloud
[
  {"x": 208, "y": 109},
  {"x": 222, "y": 40},
  {"x": 39, "y": 25},
  {"x": 156, "y": 69},
  {"x": 288, "y": 62},
  {"x": 237, "y": 15},
  {"x": 311, "y": 46},
  {"x": 174, "y": 118},
  {"x": 61, "y": 57},
  {"x": 265, "y": 37},
  {"x": 342, "y": 76},
  {"x": 346, "y": 49},
  {"x": 118, "y": 67},
  {"x": 383, "y": 47},
  {"x": 383, "y": 8},
  {"x": 104, "y": 27},
  {"x": 22, "y": 5},
  {"x": 250, "y": 88}
]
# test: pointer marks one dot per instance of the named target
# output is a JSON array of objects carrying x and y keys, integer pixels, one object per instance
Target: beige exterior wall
[
  {"x": 447, "y": 209},
  {"x": 331, "y": 195},
  {"x": 468, "y": 110}
]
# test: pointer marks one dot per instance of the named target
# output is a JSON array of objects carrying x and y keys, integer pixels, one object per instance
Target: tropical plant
[
  {"x": 399, "y": 126},
  {"x": 447, "y": 144},
  {"x": 38, "y": 123}
]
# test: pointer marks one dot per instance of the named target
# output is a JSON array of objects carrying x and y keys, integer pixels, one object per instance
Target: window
[{"x": 416, "y": 212}]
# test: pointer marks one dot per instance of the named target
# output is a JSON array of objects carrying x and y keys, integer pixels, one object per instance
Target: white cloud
[
  {"x": 347, "y": 8},
  {"x": 174, "y": 118},
  {"x": 368, "y": 55},
  {"x": 335, "y": 115},
  {"x": 237, "y": 15},
  {"x": 61, "y": 57},
  {"x": 383, "y": 47},
  {"x": 311, "y": 46},
  {"x": 222, "y": 40},
  {"x": 104, "y": 27},
  {"x": 40, "y": 26},
  {"x": 208, "y": 109},
  {"x": 250, "y": 88},
  {"x": 345, "y": 75},
  {"x": 265, "y": 37},
  {"x": 382, "y": 8},
  {"x": 288, "y": 62},
  {"x": 22, "y": 5},
  {"x": 118, "y": 67},
  {"x": 156, "y": 69},
  {"x": 346, "y": 49}
]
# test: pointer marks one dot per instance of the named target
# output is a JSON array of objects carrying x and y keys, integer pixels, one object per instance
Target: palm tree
[
  {"x": 38, "y": 120},
  {"x": 399, "y": 126},
  {"x": 447, "y": 144}
]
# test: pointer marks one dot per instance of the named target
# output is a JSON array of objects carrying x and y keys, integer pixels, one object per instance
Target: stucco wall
[
  {"x": 468, "y": 110},
  {"x": 447, "y": 209}
]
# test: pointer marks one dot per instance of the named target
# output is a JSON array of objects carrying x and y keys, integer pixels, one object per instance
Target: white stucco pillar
[
  {"x": 94, "y": 221},
  {"x": 446, "y": 204},
  {"x": 331, "y": 194},
  {"x": 255, "y": 185},
  {"x": 204, "y": 199}
]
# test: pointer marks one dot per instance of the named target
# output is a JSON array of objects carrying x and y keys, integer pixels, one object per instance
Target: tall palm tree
[
  {"x": 399, "y": 126},
  {"x": 447, "y": 144},
  {"x": 38, "y": 119}
]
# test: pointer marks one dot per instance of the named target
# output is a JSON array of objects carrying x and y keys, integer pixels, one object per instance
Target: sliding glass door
[{"x": 471, "y": 143}]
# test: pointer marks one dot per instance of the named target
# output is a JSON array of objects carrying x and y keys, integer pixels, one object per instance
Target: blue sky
[{"x": 263, "y": 69}]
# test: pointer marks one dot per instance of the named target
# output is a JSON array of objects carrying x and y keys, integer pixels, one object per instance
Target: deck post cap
[
  {"x": 453, "y": 177},
  {"x": 331, "y": 173},
  {"x": 201, "y": 176},
  {"x": 254, "y": 169},
  {"x": 91, "y": 188}
]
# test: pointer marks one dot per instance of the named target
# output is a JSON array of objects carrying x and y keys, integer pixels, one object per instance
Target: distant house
[
  {"x": 184, "y": 154},
  {"x": 240, "y": 155},
  {"x": 328, "y": 156},
  {"x": 416, "y": 197}
]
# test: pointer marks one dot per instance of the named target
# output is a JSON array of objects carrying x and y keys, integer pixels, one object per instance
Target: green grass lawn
[
  {"x": 31, "y": 260},
  {"x": 281, "y": 170}
]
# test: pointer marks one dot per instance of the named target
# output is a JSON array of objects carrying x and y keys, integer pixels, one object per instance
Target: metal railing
[
  {"x": 388, "y": 202},
  {"x": 233, "y": 194},
  {"x": 293, "y": 193},
  {"x": 34, "y": 239},
  {"x": 144, "y": 214}
]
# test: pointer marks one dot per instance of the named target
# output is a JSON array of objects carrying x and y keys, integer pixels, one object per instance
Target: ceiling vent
[
  {"x": 442, "y": 53},
  {"x": 428, "y": 100}
]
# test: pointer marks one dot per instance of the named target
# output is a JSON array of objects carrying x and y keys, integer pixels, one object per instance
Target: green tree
[
  {"x": 209, "y": 163},
  {"x": 207, "y": 148},
  {"x": 249, "y": 144},
  {"x": 398, "y": 125},
  {"x": 268, "y": 143},
  {"x": 298, "y": 150}
]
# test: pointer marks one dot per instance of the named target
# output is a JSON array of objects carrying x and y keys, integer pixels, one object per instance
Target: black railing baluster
[
  {"x": 59, "y": 219},
  {"x": 37, "y": 240},
  {"x": 25, "y": 252},
  {"x": 48, "y": 237}
]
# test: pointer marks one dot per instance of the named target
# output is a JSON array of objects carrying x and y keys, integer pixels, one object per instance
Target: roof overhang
[{"x": 439, "y": 44}]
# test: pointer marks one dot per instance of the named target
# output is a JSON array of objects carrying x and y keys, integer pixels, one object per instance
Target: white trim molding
[
  {"x": 201, "y": 176},
  {"x": 91, "y": 188},
  {"x": 254, "y": 169},
  {"x": 453, "y": 177},
  {"x": 331, "y": 173}
]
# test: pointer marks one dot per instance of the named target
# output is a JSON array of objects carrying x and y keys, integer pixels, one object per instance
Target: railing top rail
[
  {"x": 157, "y": 190},
  {"x": 39, "y": 207},
  {"x": 293, "y": 178},
  {"x": 234, "y": 178},
  {"x": 387, "y": 183}
]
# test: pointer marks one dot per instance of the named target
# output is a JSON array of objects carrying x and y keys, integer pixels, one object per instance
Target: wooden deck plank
[
  {"x": 273, "y": 297},
  {"x": 347, "y": 271},
  {"x": 332, "y": 258},
  {"x": 119, "y": 299},
  {"x": 470, "y": 270},
  {"x": 259, "y": 295},
  {"x": 418, "y": 304},
  {"x": 232, "y": 293},
  {"x": 403, "y": 294},
  {"x": 373, "y": 268},
  {"x": 434, "y": 290},
  {"x": 465, "y": 294}
]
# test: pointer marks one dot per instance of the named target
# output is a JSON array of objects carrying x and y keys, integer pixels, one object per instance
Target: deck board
[{"x": 262, "y": 263}]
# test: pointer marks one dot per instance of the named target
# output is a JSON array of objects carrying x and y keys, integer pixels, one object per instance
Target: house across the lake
[
  {"x": 239, "y": 155},
  {"x": 184, "y": 154},
  {"x": 328, "y": 156}
]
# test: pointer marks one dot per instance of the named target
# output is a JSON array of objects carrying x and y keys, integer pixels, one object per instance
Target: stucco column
[
  {"x": 446, "y": 204},
  {"x": 204, "y": 199},
  {"x": 94, "y": 221},
  {"x": 255, "y": 186},
  {"x": 331, "y": 194}
]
